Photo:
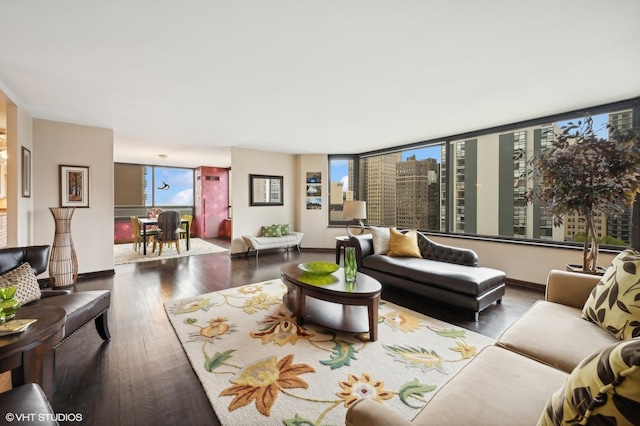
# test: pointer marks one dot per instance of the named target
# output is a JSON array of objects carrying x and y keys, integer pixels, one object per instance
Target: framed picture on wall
[
  {"x": 26, "y": 173},
  {"x": 74, "y": 186}
]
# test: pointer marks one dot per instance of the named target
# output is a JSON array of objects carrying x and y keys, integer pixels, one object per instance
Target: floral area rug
[
  {"x": 258, "y": 367},
  {"x": 124, "y": 253}
]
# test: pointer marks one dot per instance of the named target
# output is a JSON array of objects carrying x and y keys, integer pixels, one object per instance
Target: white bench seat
[{"x": 261, "y": 243}]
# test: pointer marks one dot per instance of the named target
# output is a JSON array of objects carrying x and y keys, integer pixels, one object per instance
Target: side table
[
  {"x": 30, "y": 354},
  {"x": 341, "y": 243}
]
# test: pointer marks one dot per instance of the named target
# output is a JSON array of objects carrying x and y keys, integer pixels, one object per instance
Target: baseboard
[
  {"x": 527, "y": 284},
  {"x": 46, "y": 282}
]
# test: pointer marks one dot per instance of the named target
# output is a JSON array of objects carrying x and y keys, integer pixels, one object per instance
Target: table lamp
[{"x": 355, "y": 210}]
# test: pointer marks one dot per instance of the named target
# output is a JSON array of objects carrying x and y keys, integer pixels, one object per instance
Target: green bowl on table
[{"x": 319, "y": 268}]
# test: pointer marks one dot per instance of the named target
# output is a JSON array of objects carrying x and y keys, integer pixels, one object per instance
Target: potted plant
[{"x": 583, "y": 174}]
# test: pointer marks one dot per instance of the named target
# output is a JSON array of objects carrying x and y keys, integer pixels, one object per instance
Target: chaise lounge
[{"x": 436, "y": 271}]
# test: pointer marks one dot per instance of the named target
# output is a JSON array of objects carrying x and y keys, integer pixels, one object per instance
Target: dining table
[{"x": 150, "y": 221}]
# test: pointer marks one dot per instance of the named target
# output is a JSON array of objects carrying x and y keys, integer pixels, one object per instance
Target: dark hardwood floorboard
[{"x": 142, "y": 376}]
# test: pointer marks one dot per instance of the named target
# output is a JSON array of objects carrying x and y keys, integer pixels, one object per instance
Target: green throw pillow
[
  {"x": 271, "y": 231},
  {"x": 614, "y": 303},
  {"x": 285, "y": 229},
  {"x": 604, "y": 389}
]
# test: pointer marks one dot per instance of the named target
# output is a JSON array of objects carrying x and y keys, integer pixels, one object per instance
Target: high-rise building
[
  {"x": 379, "y": 173},
  {"x": 418, "y": 193},
  {"x": 619, "y": 227}
]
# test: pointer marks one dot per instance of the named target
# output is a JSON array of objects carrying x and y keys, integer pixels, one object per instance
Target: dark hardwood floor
[{"x": 142, "y": 376}]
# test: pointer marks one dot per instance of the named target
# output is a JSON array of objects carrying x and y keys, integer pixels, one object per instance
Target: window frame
[{"x": 450, "y": 208}]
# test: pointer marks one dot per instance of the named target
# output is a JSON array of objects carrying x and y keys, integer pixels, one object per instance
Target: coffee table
[
  {"x": 332, "y": 302},
  {"x": 31, "y": 354}
]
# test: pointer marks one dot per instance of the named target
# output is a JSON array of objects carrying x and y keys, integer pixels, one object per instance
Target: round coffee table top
[
  {"x": 50, "y": 320},
  {"x": 334, "y": 283}
]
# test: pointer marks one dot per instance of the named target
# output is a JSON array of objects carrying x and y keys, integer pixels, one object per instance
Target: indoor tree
[{"x": 583, "y": 174}]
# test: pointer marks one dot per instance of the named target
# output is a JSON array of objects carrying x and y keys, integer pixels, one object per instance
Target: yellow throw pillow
[
  {"x": 603, "y": 389},
  {"x": 403, "y": 245},
  {"x": 613, "y": 303}
]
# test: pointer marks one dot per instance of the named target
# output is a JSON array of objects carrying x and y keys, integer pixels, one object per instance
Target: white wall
[
  {"x": 315, "y": 223},
  {"x": 522, "y": 262},
  {"x": 24, "y": 228},
  {"x": 56, "y": 144},
  {"x": 248, "y": 219}
]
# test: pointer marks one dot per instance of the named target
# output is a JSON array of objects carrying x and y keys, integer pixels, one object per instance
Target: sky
[{"x": 179, "y": 189}]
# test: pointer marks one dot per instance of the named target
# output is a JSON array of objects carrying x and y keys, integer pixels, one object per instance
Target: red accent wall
[{"x": 211, "y": 201}]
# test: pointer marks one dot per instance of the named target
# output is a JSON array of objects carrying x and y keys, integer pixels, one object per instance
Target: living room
[{"x": 61, "y": 135}]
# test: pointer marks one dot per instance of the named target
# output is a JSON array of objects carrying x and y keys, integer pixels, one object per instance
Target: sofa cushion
[
  {"x": 547, "y": 326},
  {"x": 23, "y": 277},
  {"x": 80, "y": 306},
  {"x": 271, "y": 231},
  {"x": 381, "y": 237},
  {"x": 498, "y": 387},
  {"x": 613, "y": 303},
  {"x": 403, "y": 245},
  {"x": 449, "y": 276},
  {"x": 603, "y": 389}
]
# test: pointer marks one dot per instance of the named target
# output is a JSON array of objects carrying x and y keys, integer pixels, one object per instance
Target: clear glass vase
[{"x": 350, "y": 265}]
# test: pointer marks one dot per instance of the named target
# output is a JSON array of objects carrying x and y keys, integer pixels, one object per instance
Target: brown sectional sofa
[{"x": 510, "y": 382}]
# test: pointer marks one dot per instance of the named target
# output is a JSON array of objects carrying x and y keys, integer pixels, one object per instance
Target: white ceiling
[{"x": 193, "y": 78}]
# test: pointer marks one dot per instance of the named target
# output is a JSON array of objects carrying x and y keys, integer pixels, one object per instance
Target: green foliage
[
  {"x": 582, "y": 174},
  {"x": 605, "y": 240},
  {"x": 343, "y": 353}
]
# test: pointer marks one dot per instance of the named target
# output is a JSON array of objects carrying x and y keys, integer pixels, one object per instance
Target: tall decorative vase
[{"x": 63, "y": 263}]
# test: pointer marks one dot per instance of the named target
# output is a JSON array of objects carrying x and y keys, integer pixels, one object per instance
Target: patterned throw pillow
[
  {"x": 381, "y": 239},
  {"x": 285, "y": 229},
  {"x": 271, "y": 231},
  {"x": 26, "y": 282},
  {"x": 613, "y": 303},
  {"x": 604, "y": 389},
  {"x": 403, "y": 245}
]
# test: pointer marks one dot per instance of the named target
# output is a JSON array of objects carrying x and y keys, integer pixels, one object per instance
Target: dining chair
[
  {"x": 184, "y": 227},
  {"x": 169, "y": 224},
  {"x": 137, "y": 233}
]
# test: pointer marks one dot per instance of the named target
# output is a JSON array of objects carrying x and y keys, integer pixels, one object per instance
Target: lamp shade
[{"x": 355, "y": 210}]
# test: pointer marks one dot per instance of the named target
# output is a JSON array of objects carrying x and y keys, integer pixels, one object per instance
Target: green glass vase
[
  {"x": 8, "y": 305},
  {"x": 350, "y": 265}
]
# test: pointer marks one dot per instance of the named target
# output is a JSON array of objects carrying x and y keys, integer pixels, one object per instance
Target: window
[
  {"x": 150, "y": 186},
  {"x": 484, "y": 192},
  {"x": 341, "y": 186},
  {"x": 171, "y": 186}
]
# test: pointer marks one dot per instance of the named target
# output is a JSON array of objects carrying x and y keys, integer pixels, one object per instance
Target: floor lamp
[{"x": 355, "y": 210}]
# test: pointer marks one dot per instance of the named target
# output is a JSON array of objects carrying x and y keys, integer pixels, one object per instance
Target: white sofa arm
[{"x": 366, "y": 412}]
